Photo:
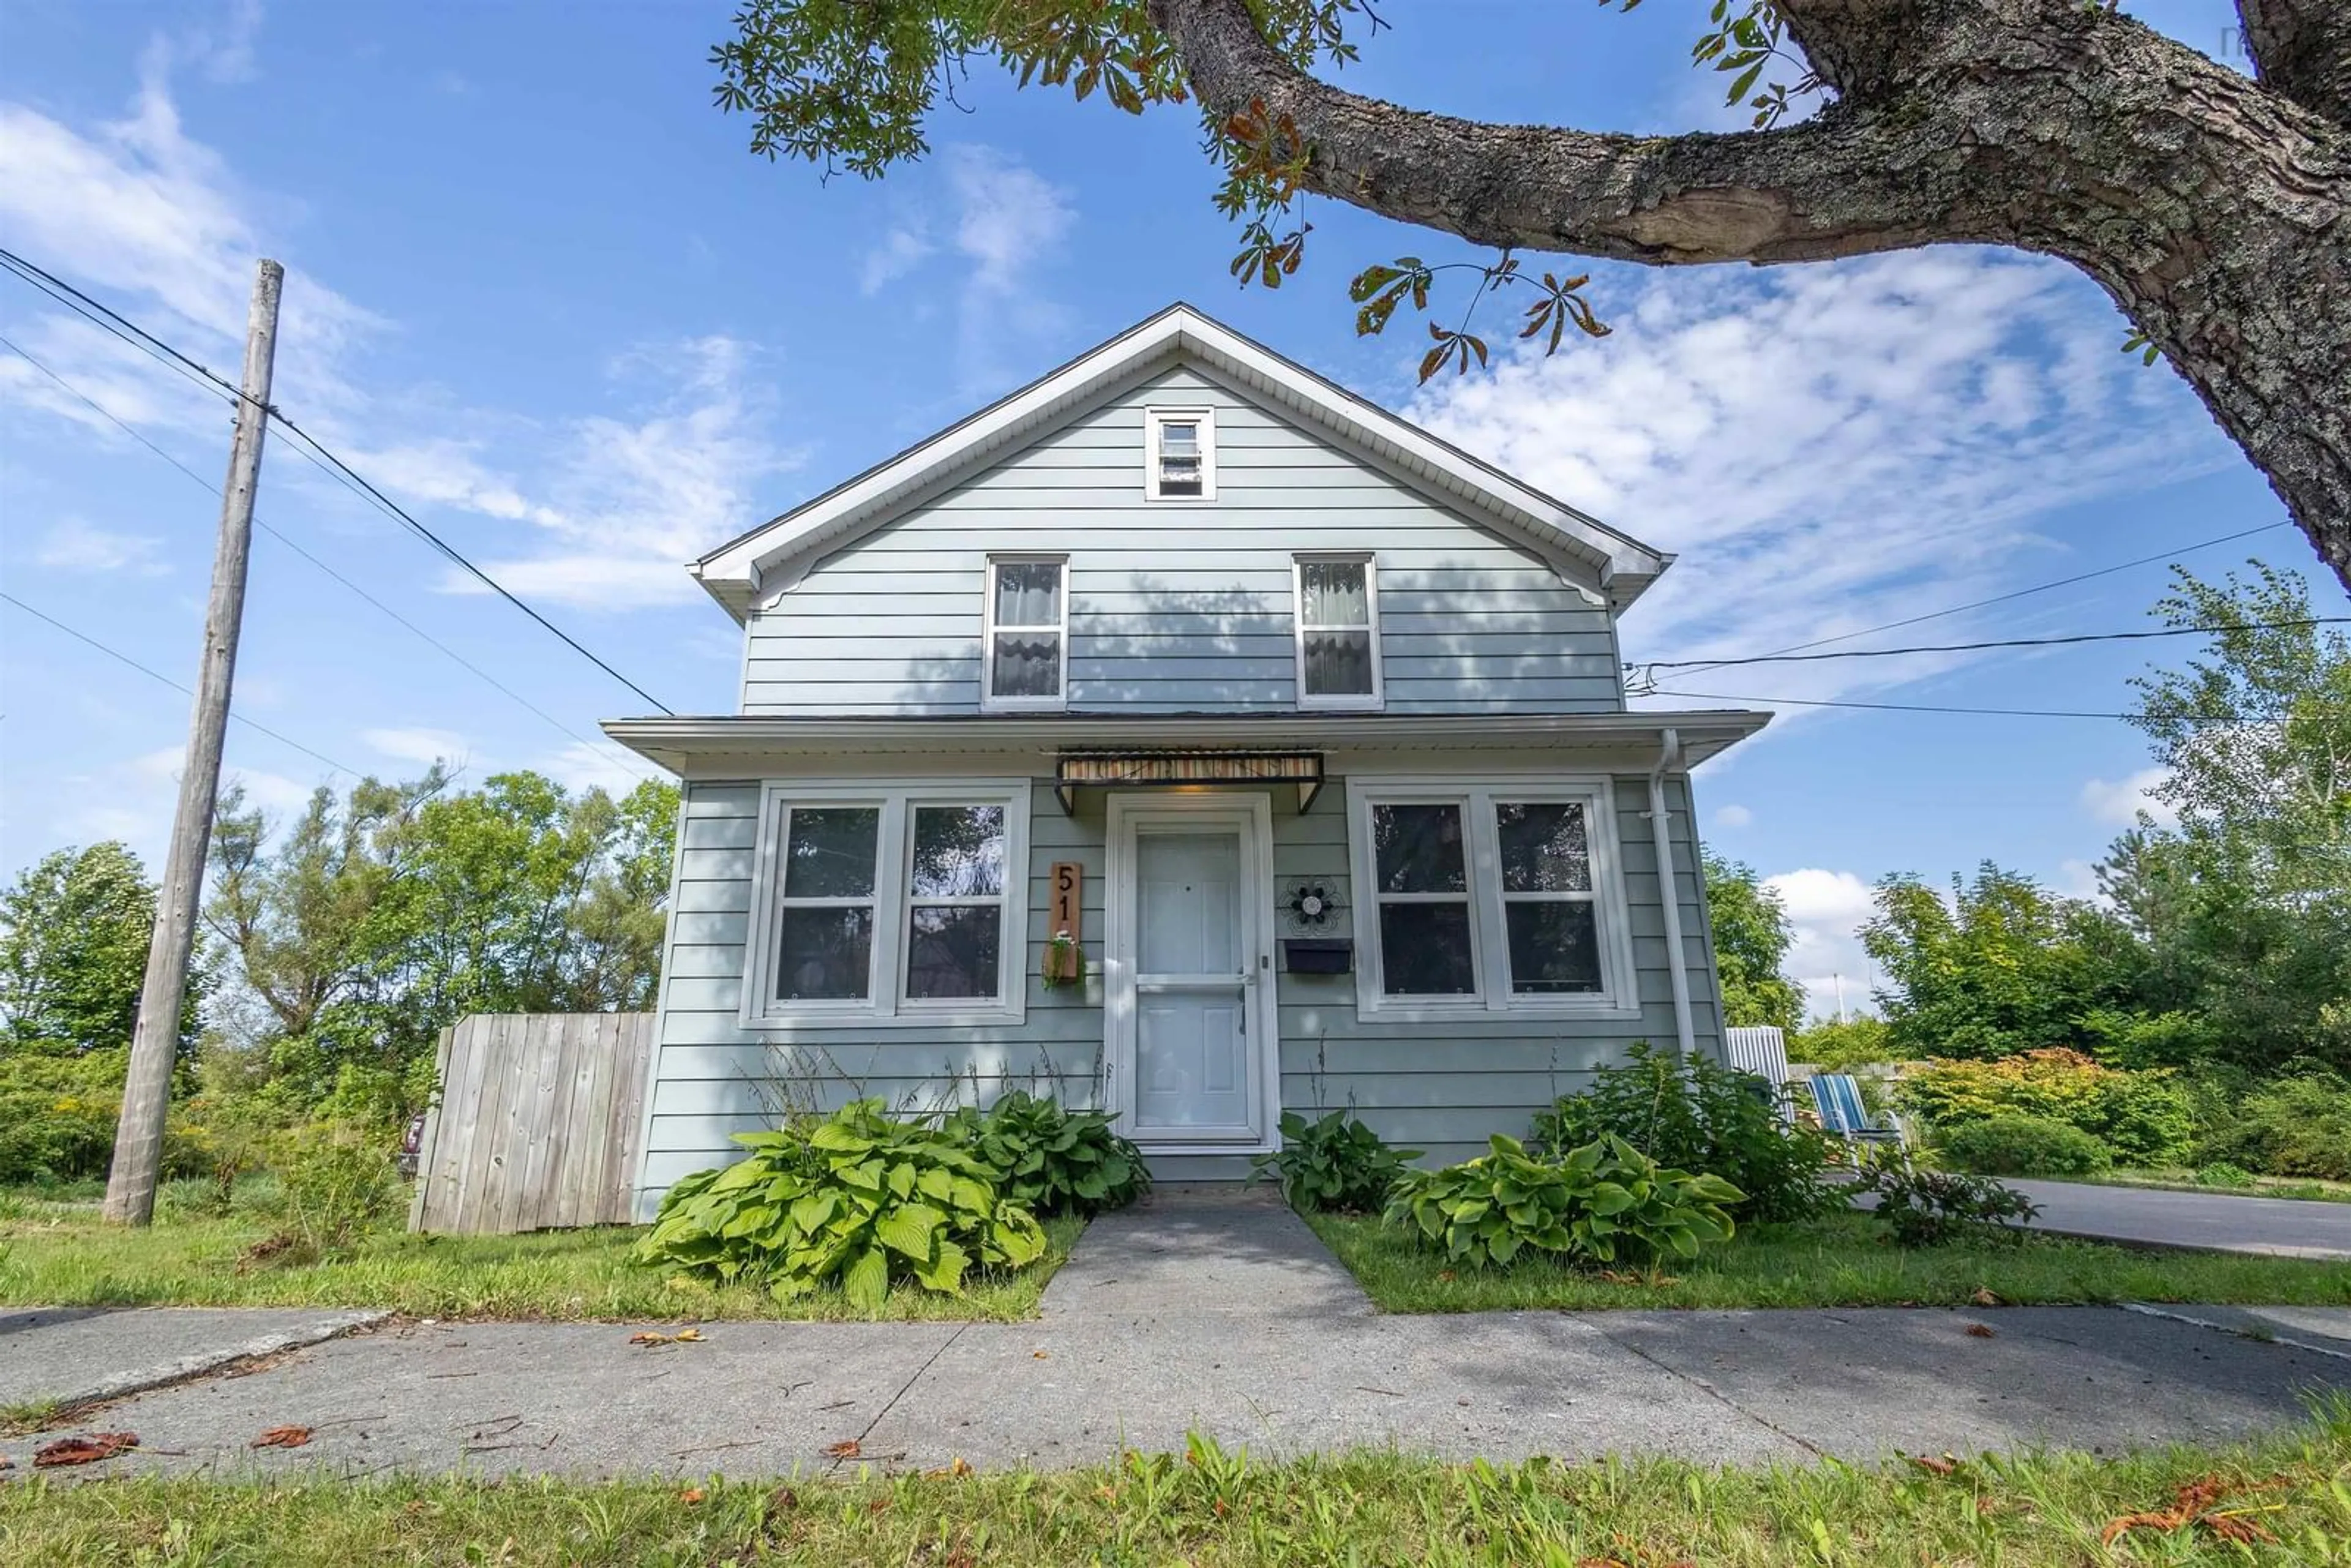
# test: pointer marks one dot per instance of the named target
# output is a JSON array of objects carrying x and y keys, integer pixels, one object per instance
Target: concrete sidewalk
[
  {"x": 2219, "y": 1222},
  {"x": 79, "y": 1355},
  {"x": 1227, "y": 1317}
]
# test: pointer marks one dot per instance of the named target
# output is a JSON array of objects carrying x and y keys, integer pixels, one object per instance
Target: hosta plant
[
  {"x": 1598, "y": 1202},
  {"x": 856, "y": 1199},
  {"x": 1051, "y": 1160},
  {"x": 1335, "y": 1163}
]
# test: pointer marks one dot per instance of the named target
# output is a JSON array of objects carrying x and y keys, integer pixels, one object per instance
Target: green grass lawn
[
  {"x": 1839, "y": 1261},
  {"x": 61, "y": 1254},
  {"x": 2286, "y": 1495},
  {"x": 2182, "y": 1180}
]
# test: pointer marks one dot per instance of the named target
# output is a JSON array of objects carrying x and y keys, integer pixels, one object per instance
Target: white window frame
[
  {"x": 1489, "y": 947},
  {"x": 885, "y": 1002},
  {"x": 990, "y": 628},
  {"x": 1358, "y": 701},
  {"x": 1152, "y": 419}
]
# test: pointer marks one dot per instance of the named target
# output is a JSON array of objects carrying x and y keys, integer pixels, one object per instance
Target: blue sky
[{"x": 539, "y": 291}]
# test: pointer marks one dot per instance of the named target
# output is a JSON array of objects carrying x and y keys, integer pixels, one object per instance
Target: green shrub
[
  {"x": 1335, "y": 1164},
  {"x": 1842, "y": 1045},
  {"x": 58, "y": 1114},
  {"x": 2024, "y": 1146},
  {"x": 2144, "y": 1118},
  {"x": 1598, "y": 1202},
  {"x": 1930, "y": 1208},
  {"x": 856, "y": 1199},
  {"x": 1049, "y": 1160},
  {"x": 335, "y": 1185},
  {"x": 1700, "y": 1115},
  {"x": 2289, "y": 1126},
  {"x": 2223, "y": 1175}
]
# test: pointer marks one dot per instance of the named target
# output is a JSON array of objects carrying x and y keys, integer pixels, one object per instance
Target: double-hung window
[
  {"x": 1179, "y": 454},
  {"x": 1336, "y": 603},
  {"x": 888, "y": 902},
  {"x": 1026, "y": 658},
  {"x": 1488, "y": 897}
]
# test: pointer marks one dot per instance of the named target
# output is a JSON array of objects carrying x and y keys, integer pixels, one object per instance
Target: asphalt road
[{"x": 2287, "y": 1228}]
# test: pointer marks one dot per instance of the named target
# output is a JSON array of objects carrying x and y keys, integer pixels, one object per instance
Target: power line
[
  {"x": 213, "y": 489},
  {"x": 131, "y": 332},
  {"x": 158, "y": 675},
  {"x": 2002, "y": 643},
  {"x": 1935, "y": 708},
  {"x": 2013, "y": 593}
]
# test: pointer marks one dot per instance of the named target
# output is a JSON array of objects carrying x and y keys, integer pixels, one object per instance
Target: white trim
[
  {"x": 988, "y": 700},
  {"x": 1619, "y": 996},
  {"x": 1155, "y": 418},
  {"x": 1253, "y": 815},
  {"x": 885, "y": 1002},
  {"x": 1358, "y": 702},
  {"x": 1624, "y": 568}
]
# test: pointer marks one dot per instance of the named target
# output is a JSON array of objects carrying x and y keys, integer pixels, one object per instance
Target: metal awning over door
[{"x": 1171, "y": 768}]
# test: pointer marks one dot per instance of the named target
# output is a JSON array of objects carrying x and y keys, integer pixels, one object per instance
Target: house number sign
[{"x": 1064, "y": 949}]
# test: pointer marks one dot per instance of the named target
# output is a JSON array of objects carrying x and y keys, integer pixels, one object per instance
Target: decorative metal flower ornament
[{"x": 1311, "y": 904}]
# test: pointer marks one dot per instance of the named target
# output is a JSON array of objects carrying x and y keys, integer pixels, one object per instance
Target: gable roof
[{"x": 774, "y": 554}]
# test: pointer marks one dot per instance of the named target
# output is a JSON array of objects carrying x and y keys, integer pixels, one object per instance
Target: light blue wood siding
[
  {"x": 1181, "y": 607},
  {"x": 1441, "y": 1088}
]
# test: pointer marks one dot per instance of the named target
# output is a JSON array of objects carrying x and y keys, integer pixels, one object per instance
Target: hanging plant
[{"x": 1065, "y": 961}]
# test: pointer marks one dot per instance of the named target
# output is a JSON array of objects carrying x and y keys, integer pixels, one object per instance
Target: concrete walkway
[
  {"x": 2224, "y": 1222},
  {"x": 1224, "y": 1315}
]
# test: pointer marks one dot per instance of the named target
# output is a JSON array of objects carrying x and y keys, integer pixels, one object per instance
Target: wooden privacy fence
[{"x": 537, "y": 1123}]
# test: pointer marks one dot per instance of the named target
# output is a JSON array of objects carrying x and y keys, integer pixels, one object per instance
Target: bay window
[
  {"x": 1488, "y": 897},
  {"x": 889, "y": 902}
]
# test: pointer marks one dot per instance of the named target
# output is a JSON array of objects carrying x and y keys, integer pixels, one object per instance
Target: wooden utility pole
[{"x": 139, "y": 1134}]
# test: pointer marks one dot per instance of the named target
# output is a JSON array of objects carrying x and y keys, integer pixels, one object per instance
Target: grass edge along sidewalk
[
  {"x": 1841, "y": 1260},
  {"x": 2281, "y": 1499},
  {"x": 64, "y": 1255}
]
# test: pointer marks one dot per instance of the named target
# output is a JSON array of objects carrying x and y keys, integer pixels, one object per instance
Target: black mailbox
[{"x": 1318, "y": 955}]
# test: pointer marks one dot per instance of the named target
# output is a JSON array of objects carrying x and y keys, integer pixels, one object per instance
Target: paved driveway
[
  {"x": 1227, "y": 1317},
  {"x": 2291, "y": 1228}
]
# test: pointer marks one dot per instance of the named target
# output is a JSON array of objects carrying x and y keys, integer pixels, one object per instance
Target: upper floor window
[
  {"x": 1026, "y": 663},
  {"x": 1179, "y": 453},
  {"x": 1337, "y": 632}
]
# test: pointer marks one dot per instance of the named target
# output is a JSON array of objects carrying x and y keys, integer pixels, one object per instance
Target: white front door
[{"x": 1190, "y": 1029}]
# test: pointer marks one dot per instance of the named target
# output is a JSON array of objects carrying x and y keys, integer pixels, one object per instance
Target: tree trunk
[{"x": 2214, "y": 210}]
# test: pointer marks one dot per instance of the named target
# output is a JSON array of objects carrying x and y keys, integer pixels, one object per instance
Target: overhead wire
[
  {"x": 1938, "y": 707},
  {"x": 213, "y": 489},
  {"x": 1708, "y": 664},
  {"x": 320, "y": 453},
  {"x": 116, "y": 653}
]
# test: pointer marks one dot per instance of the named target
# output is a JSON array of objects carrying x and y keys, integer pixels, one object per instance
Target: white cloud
[
  {"x": 133, "y": 800},
  {"x": 1827, "y": 909},
  {"x": 2078, "y": 879},
  {"x": 1732, "y": 817},
  {"x": 76, "y": 545},
  {"x": 2119, "y": 803},
  {"x": 902, "y": 249},
  {"x": 421, "y": 746},
  {"x": 608, "y": 505},
  {"x": 580, "y": 767},
  {"x": 1833, "y": 445}
]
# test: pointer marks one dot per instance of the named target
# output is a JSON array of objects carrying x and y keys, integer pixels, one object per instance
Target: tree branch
[
  {"x": 2302, "y": 50},
  {"x": 1844, "y": 184}
]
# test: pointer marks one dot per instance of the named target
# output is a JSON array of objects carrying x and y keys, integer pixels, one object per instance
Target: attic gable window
[
  {"x": 1180, "y": 453},
  {"x": 1026, "y": 663}
]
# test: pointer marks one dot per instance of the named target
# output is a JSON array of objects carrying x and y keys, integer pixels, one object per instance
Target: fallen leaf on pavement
[
  {"x": 7, "y": 1463},
  {"x": 85, "y": 1449},
  {"x": 282, "y": 1437},
  {"x": 1982, "y": 1331},
  {"x": 687, "y": 1336},
  {"x": 691, "y": 1495},
  {"x": 952, "y": 1470},
  {"x": 1038, "y": 1356},
  {"x": 683, "y": 1336},
  {"x": 1934, "y": 1467},
  {"x": 847, "y": 1449}
]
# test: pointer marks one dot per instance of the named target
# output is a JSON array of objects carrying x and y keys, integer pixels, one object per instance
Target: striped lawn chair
[{"x": 1837, "y": 1097}]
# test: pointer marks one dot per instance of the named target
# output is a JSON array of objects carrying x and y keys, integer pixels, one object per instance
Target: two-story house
[{"x": 1308, "y": 728}]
